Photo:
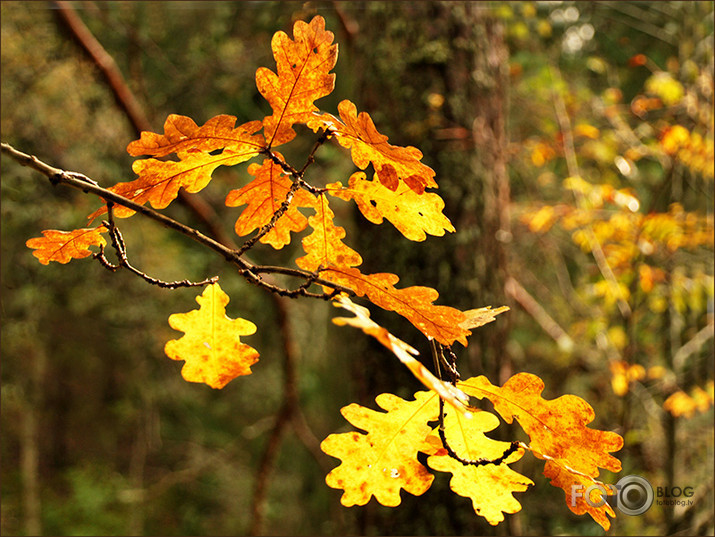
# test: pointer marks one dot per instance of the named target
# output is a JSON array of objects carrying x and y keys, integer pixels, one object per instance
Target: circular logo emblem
[{"x": 635, "y": 495}]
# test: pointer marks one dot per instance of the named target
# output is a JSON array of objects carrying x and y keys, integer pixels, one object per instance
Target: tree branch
[
  {"x": 247, "y": 269},
  {"x": 514, "y": 289},
  {"x": 106, "y": 64},
  {"x": 438, "y": 357},
  {"x": 692, "y": 346},
  {"x": 121, "y": 251}
]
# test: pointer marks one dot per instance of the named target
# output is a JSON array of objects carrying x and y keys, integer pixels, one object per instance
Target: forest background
[{"x": 573, "y": 145}]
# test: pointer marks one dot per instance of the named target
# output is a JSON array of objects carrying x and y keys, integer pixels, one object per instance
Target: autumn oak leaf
[
  {"x": 392, "y": 163},
  {"x": 558, "y": 433},
  {"x": 265, "y": 195},
  {"x": 324, "y": 246},
  {"x": 200, "y": 151},
  {"x": 384, "y": 461},
  {"x": 480, "y": 316},
  {"x": 416, "y": 303},
  {"x": 414, "y": 215},
  {"x": 62, "y": 246},
  {"x": 183, "y": 136},
  {"x": 211, "y": 345},
  {"x": 489, "y": 486},
  {"x": 303, "y": 75}
]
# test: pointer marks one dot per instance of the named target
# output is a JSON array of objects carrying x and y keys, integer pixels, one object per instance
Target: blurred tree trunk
[
  {"x": 435, "y": 75},
  {"x": 30, "y": 440}
]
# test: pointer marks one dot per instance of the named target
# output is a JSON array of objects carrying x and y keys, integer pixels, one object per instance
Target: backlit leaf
[
  {"x": 61, "y": 246},
  {"x": 183, "y": 136},
  {"x": 481, "y": 316},
  {"x": 264, "y": 196},
  {"x": 324, "y": 246},
  {"x": 392, "y": 163},
  {"x": 414, "y": 303},
  {"x": 211, "y": 345},
  {"x": 490, "y": 486},
  {"x": 303, "y": 67},
  {"x": 384, "y": 461},
  {"x": 558, "y": 433},
  {"x": 681, "y": 404},
  {"x": 402, "y": 350},
  {"x": 414, "y": 215}
]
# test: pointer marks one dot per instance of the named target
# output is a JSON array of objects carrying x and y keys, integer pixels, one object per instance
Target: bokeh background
[{"x": 573, "y": 145}]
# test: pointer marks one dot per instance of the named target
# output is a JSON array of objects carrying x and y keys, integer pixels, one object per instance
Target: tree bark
[{"x": 435, "y": 75}]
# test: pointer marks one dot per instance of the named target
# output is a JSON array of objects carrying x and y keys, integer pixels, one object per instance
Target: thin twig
[
  {"x": 324, "y": 137},
  {"x": 514, "y": 289},
  {"x": 121, "y": 251},
  {"x": 692, "y": 346},
  {"x": 438, "y": 357},
  {"x": 274, "y": 219}
]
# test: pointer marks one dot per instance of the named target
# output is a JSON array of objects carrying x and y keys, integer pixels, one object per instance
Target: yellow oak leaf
[
  {"x": 392, "y": 163},
  {"x": 62, "y": 246},
  {"x": 264, "y": 196},
  {"x": 489, "y": 486},
  {"x": 558, "y": 433},
  {"x": 211, "y": 344},
  {"x": 303, "y": 67},
  {"x": 325, "y": 250},
  {"x": 384, "y": 461},
  {"x": 324, "y": 246},
  {"x": 414, "y": 215}
]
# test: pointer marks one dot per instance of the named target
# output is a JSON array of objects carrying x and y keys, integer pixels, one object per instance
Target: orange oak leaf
[
  {"x": 200, "y": 150},
  {"x": 61, "y": 246},
  {"x": 414, "y": 215},
  {"x": 558, "y": 433},
  {"x": 490, "y": 486},
  {"x": 211, "y": 344},
  {"x": 303, "y": 75},
  {"x": 402, "y": 350},
  {"x": 392, "y": 163},
  {"x": 182, "y": 135},
  {"x": 414, "y": 303},
  {"x": 384, "y": 461},
  {"x": 264, "y": 196}
]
